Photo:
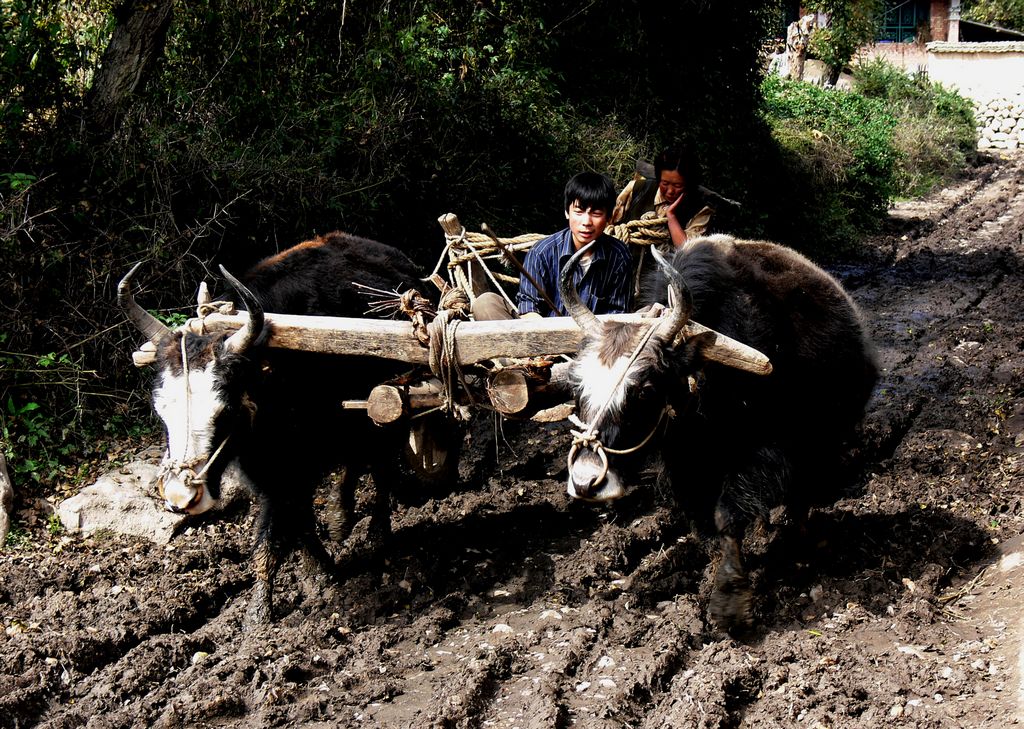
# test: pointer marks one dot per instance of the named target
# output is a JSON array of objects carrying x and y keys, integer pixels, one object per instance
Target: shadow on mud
[{"x": 868, "y": 559}]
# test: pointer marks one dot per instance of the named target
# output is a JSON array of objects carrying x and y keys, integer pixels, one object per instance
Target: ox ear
[{"x": 717, "y": 347}]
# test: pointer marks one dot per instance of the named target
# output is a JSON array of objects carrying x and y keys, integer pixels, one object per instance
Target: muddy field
[{"x": 501, "y": 604}]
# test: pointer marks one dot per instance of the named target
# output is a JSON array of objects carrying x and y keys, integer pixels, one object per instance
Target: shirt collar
[{"x": 566, "y": 247}]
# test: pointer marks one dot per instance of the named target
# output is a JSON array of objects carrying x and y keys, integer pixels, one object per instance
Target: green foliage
[
  {"x": 842, "y": 143},
  {"x": 18, "y": 537},
  {"x": 16, "y": 181},
  {"x": 935, "y": 134},
  {"x": 171, "y": 318},
  {"x": 1004, "y": 13},
  {"x": 47, "y": 50},
  {"x": 53, "y": 525},
  {"x": 283, "y": 121},
  {"x": 851, "y": 24},
  {"x": 31, "y": 440}
]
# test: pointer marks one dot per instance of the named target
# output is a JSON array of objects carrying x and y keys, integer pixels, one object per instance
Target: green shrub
[
  {"x": 837, "y": 147},
  {"x": 935, "y": 134}
]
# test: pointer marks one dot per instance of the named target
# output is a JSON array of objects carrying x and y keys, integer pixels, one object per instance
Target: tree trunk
[
  {"x": 6, "y": 500},
  {"x": 137, "y": 40}
]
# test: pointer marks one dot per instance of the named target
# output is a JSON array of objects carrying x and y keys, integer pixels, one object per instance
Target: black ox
[
  {"x": 278, "y": 412},
  {"x": 733, "y": 444}
]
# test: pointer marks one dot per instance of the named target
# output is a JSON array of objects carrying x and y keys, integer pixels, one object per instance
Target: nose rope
[
  {"x": 587, "y": 435},
  {"x": 185, "y": 470}
]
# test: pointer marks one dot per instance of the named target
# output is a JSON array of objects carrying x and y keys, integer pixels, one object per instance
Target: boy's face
[{"x": 585, "y": 224}]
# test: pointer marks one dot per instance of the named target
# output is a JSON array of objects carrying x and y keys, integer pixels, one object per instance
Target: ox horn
[
  {"x": 717, "y": 347},
  {"x": 584, "y": 317},
  {"x": 148, "y": 324},
  {"x": 679, "y": 295},
  {"x": 241, "y": 340},
  {"x": 714, "y": 346}
]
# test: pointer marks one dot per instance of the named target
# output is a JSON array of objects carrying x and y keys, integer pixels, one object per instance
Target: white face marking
[
  {"x": 603, "y": 389},
  {"x": 601, "y": 384},
  {"x": 189, "y": 411}
]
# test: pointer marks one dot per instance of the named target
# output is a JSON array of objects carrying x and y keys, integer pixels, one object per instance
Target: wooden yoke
[{"x": 475, "y": 341}]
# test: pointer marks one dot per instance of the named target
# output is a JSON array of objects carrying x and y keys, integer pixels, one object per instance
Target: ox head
[
  {"x": 200, "y": 394},
  {"x": 630, "y": 377}
]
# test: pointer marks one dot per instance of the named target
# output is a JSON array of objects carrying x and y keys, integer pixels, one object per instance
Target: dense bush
[
  {"x": 837, "y": 151},
  {"x": 935, "y": 134}
]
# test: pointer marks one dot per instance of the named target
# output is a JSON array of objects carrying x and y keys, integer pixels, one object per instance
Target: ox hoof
[{"x": 731, "y": 604}]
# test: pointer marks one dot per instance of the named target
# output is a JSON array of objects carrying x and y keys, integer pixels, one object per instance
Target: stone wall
[
  {"x": 1001, "y": 122},
  {"x": 992, "y": 76}
]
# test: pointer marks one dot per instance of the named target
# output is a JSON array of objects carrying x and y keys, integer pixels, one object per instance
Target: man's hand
[{"x": 531, "y": 315}]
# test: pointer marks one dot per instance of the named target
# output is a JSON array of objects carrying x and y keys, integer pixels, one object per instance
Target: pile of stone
[{"x": 1000, "y": 122}]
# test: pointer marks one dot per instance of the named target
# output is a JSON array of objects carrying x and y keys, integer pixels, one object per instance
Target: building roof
[
  {"x": 989, "y": 47},
  {"x": 987, "y": 32}
]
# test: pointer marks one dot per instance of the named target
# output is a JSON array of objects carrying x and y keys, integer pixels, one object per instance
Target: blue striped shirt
[{"x": 605, "y": 287}]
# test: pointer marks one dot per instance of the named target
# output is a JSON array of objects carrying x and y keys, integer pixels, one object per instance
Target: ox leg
[
  {"x": 341, "y": 504},
  {"x": 732, "y": 600},
  {"x": 265, "y": 567},
  {"x": 380, "y": 517},
  {"x": 746, "y": 495},
  {"x": 316, "y": 561}
]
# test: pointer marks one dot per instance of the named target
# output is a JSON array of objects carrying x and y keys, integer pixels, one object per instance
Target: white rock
[{"x": 126, "y": 501}]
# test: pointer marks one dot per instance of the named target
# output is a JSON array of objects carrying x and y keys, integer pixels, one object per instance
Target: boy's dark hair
[
  {"x": 680, "y": 160},
  {"x": 591, "y": 190}
]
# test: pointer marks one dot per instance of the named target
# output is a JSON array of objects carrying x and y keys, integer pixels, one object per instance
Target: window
[{"x": 902, "y": 19}]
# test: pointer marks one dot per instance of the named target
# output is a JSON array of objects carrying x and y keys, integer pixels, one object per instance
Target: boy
[{"x": 603, "y": 277}]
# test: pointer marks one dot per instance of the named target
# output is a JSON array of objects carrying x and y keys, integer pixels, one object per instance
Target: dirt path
[{"x": 506, "y": 606}]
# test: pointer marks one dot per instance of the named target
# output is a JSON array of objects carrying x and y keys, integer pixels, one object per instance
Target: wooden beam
[{"x": 475, "y": 341}]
